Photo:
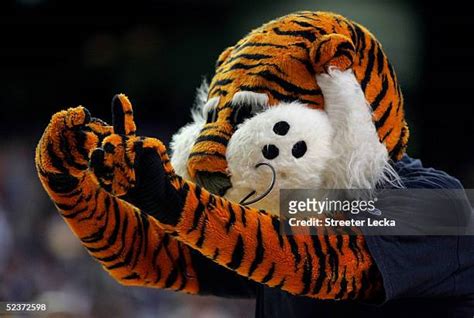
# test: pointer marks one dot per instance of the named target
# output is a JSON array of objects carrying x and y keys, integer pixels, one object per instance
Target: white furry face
[{"x": 293, "y": 138}]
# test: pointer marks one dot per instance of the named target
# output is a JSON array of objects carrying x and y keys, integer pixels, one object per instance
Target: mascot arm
[{"x": 129, "y": 244}]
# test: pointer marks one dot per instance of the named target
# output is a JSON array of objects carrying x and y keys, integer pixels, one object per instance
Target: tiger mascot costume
[{"x": 312, "y": 94}]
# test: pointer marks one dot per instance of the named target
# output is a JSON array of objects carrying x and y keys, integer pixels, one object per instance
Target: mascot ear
[
  {"x": 332, "y": 50},
  {"x": 224, "y": 55}
]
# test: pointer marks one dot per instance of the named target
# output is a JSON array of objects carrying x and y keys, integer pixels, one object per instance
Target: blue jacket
[{"x": 423, "y": 276}]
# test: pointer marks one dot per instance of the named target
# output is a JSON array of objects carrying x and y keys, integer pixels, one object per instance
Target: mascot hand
[
  {"x": 136, "y": 168},
  {"x": 62, "y": 154}
]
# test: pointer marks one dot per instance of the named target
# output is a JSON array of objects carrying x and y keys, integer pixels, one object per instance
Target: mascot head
[{"x": 264, "y": 105}]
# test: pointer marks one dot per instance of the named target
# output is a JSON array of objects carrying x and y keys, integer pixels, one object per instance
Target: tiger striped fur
[{"x": 191, "y": 230}]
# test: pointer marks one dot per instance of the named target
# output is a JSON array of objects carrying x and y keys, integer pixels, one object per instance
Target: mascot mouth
[
  {"x": 246, "y": 200},
  {"x": 218, "y": 183}
]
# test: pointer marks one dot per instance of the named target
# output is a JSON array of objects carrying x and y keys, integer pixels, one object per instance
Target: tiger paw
[
  {"x": 332, "y": 51},
  {"x": 63, "y": 151},
  {"x": 123, "y": 161}
]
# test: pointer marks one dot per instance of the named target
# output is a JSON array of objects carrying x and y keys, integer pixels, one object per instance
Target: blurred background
[{"x": 56, "y": 54}]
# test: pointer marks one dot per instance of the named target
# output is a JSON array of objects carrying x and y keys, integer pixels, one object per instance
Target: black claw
[
  {"x": 97, "y": 161},
  {"x": 118, "y": 116},
  {"x": 87, "y": 116},
  {"x": 109, "y": 148}
]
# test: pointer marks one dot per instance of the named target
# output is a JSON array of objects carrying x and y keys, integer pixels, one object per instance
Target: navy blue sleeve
[{"x": 418, "y": 266}]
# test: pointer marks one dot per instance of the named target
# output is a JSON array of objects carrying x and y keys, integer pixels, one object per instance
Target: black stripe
[
  {"x": 182, "y": 266},
  {"x": 339, "y": 244},
  {"x": 301, "y": 45},
  {"x": 158, "y": 249},
  {"x": 219, "y": 91},
  {"x": 305, "y": 16},
  {"x": 353, "y": 32},
  {"x": 386, "y": 134},
  {"x": 216, "y": 254},
  {"x": 306, "y": 63},
  {"x": 113, "y": 236},
  {"x": 238, "y": 254},
  {"x": 172, "y": 277},
  {"x": 276, "y": 227},
  {"x": 56, "y": 162},
  {"x": 280, "y": 284},
  {"x": 307, "y": 272},
  {"x": 259, "y": 252},
  {"x": 253, "y": 57},
  {"x": 243, "y": 214},
  {"x": 380, "y": 60},
  {"x": 242, "y": 66},
  {"x": 288, "y": 86},
  {"x": 140, "y": 234},
  {"x": 343, "y": 284},
  {"x": 99, "y": 234},
  {"x": 67, "y": 207},
  {"x": 119, "y": 252},
  {"x": 76, "y": 213},
  {"x": 207, "y": 154},
  {"x": 379, "y": 123},
  {"x": 361, "y": 41},
  {"x": 303, "y": 24},
  {"x": 131, "y": 276},
  {"x": 392, "y": 74},
  {"x": 66, "y": 150},
  {"x": 257, "y": 44},
  {"x": 308, "y": 35},
  {"x": 321, "y": 264},
  {"x": 81, "y": 139},
  {"x": 333, "y": 260},
  {"x": 215, "y": 127},
  {"x": 344, "y": 49},
  {"x": 380, "y": 96},
  {"x": 317, "y": 55},
  {"x": 60, "y": 183},
  {"x": 354, "y": 247},
  {"x": 268, "y": 277},
  {"x": 199, "y": 210},
  {"x": 399, "y": 146},
  {"x": 223, "y": 82},
  {"x": 91, "y": 211},
  {"x": 128, "y": 256},
  {"x": 232, "y": 218},
  {"x": 294, "y": 250},
  {"x": 212, "y": 138},
  {"x": 370, "y": 66},
  {"x": 146, "y": 226},
  {"x": 202, "y": 235}
]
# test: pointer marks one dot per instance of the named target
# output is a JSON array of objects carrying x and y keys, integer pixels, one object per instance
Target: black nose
[{"x": 214, "y": 182}]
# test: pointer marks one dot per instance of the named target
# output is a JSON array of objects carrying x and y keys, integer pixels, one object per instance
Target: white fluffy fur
[
  {"x": 250, "y": 98},
  {"x": 360, "y": 160},
  {"x": 182, "y": 142},
  {"x": 244, "y": 151},
  {"x": 343, "y": 149}
]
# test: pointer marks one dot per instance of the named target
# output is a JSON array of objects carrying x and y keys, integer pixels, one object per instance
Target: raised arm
[{"x": 129, "y": 244}]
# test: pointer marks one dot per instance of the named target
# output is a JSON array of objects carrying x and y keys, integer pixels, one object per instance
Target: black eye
[
  {"x": 240, "y": 113},
  {"x": 281, "y": 128},
  {"x": 211, "y": 115}
]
